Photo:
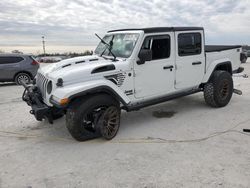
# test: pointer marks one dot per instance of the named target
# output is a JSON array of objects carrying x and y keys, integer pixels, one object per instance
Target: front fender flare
[{"x": 98, "y": 86}]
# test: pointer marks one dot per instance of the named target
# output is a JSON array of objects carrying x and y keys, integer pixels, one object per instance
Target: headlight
[
  {"x": 57, "y": 101},
  {"x": 49, "y": 87}
]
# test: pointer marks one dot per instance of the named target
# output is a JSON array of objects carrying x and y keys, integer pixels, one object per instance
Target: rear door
[
  {"x": 156, "y": 77},
  {"x": 190, "y": 59},
  {"x": 9, "y": 66}
]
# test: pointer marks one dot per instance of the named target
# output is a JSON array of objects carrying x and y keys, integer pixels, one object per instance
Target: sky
[{"x": 69, "y": 25}]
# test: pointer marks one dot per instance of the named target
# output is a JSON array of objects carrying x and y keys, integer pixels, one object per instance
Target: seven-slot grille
[{"x": 41, "y": 83}]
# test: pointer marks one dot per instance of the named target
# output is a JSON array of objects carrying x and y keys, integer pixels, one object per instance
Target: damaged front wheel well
[{"x": 96, "y": 91}]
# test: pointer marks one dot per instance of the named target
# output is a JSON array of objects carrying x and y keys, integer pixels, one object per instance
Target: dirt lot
[{"x": 193, "y": 145}]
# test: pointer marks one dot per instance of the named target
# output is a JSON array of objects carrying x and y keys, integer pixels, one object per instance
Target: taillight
[{"x": 34, "y": 63}]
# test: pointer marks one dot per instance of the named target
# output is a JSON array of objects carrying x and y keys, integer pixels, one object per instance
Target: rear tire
[
  {"x": 22, "y": 76},
  {"x": 218, "y": 91},
  {"x": 84, "y": 117}
]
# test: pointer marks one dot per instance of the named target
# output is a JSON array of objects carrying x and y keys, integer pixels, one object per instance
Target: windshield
[{"x": 122, "y": 45}]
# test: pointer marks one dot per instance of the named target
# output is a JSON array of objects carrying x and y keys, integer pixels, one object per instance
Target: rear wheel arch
[{"x": 224, "y": 66}]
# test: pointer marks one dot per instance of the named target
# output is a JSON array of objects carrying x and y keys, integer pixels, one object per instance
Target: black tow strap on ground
[{"x": 246, "y": 130}]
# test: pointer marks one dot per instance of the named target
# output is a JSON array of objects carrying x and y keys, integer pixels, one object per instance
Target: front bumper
[{"x": 32, "y": 96}]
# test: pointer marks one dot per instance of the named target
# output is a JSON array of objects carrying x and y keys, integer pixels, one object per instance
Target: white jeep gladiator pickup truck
[{"x": 131, "y": 69}]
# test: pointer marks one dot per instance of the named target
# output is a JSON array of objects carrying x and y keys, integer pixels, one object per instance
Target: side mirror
[{"x": 144, "y": 55}]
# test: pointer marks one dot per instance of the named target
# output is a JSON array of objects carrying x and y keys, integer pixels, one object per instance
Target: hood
[
  {"x": 69, "y": 62},
  {"x": 77, "y": 68}
]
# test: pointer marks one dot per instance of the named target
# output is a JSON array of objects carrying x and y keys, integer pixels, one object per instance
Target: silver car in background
[{"x": 17, "y": 67}]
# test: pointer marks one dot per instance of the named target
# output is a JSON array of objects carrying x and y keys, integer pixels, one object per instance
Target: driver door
[{"x": 156, "y": 77}]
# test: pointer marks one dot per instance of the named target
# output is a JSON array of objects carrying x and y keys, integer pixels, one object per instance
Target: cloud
[{"x": 73, "y": 23}]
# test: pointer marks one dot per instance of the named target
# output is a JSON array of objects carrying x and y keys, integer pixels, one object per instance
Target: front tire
[
  {"x": 109, "y": 122},
  {"x": 84, "y": 118},
  {"x": 218, "y": 91}
]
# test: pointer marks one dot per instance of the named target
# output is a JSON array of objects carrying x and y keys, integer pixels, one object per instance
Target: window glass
[
  {"x": 189, "y": 44},
  {"x": 122, "y": 45},
  {"x": 160, "y": 46},
  {"x": 8, "y": 60}
]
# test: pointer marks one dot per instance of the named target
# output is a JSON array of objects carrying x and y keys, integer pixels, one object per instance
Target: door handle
[
  {"x": 196, "y": 63},
  {"x": 168, "y": 67}
]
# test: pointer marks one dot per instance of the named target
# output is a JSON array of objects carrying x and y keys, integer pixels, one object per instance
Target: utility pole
[{"x": 43, "y": 42}]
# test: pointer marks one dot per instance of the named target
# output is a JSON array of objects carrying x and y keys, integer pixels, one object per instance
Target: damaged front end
[{"x": 33, "y": 97}]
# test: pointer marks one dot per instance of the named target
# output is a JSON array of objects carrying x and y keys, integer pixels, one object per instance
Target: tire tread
[
  {"x": 210, "y": 93},
  {"x": 74, "y": 115}
]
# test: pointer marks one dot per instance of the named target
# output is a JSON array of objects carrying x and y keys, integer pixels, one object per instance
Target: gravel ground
[{"x": 193, "y": 145}]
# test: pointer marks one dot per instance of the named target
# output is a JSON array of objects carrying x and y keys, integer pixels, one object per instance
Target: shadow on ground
[
  {"x": 134, "y": 120},
  {"x": 2, "y": 84}
]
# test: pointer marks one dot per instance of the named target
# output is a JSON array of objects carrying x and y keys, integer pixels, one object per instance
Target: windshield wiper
[{"x": 108, "y": 46}]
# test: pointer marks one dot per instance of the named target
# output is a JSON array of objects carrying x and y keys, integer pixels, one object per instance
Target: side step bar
[{"x": 144, "y": 104}]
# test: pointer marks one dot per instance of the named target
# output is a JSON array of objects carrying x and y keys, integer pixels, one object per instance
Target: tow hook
[{"x": 237, "y": 91}]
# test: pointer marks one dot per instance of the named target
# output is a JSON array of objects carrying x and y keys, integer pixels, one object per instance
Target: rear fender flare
[{"x": 214, "y": 66}]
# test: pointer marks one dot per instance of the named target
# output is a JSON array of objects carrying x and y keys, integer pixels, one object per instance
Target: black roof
[
  {"x": 161, "y": 29},
  {"x": 218, "y": 48}
]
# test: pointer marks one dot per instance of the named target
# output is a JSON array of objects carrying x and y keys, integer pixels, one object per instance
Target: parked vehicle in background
[
  {"x": 51, "y": 59},
  {"x": 248, "y": 53},
  {"x": 132, "y": 69},
  {"x": 243, "y": 57},
  {"x": 246, "y": 50},
  {"x": 17, "y": 67}
]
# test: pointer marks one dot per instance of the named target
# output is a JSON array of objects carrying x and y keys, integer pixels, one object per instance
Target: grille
[{"x": 41, "y": 83}]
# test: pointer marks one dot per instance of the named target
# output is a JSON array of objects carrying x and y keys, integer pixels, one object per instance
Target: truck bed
[
  {"x": 218, "y": 48},
  {"x": 224, "y": 54}
]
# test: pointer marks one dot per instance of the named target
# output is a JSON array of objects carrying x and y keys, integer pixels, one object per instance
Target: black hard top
[
  {"x": 218, "y": 48},
  {"x": 160, "y": 29}
]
